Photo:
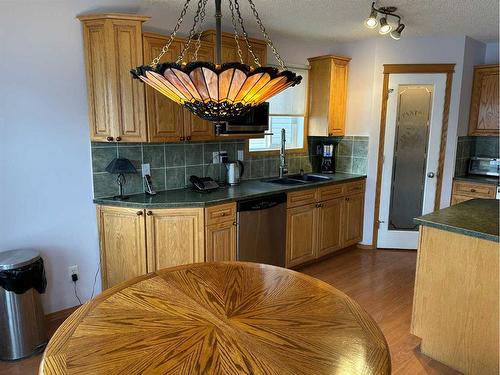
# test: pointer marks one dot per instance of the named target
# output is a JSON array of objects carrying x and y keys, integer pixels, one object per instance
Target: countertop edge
[
  {"x": 459, "y": 230},
  {"x": 109, "y": 202}
]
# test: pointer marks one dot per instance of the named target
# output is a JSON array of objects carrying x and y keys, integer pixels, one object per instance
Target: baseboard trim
[
  {"x": 365, "y": 247},
  {"x": 61, "y": 314}
]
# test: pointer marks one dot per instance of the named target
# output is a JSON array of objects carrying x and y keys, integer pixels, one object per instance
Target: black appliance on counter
[{"x": 328, "y": 158}]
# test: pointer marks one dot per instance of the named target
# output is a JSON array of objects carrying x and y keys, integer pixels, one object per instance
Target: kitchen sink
[
  {"x": 308, "y": 177},
  {"x": 297, "y": 179}
]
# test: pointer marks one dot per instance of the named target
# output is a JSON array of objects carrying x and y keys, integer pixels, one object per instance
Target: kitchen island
[{"x": 456, "y": 300}]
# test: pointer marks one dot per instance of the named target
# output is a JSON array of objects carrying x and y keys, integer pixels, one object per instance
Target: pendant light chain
[
  {"x": 245, "y": 34},
  {"x": 191, "y": 32},
  {"x": 269, "y": 42},
  {"x": 235, "y": 27},
  {"x": 165, "y": 48},
  {"x": 200, "y": 30}
]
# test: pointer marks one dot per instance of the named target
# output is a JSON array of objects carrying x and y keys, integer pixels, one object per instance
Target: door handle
[{"x": 430, "y": 174}]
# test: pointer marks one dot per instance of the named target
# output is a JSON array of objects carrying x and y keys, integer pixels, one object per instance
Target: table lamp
[{"x": 120, "y": 166}]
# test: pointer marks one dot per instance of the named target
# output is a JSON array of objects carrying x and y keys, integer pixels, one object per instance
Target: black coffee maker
[{"x": 328, "y": 158}]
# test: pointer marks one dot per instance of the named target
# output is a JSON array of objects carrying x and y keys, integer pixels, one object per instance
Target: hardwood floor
[{"x": 380, "y": 281}]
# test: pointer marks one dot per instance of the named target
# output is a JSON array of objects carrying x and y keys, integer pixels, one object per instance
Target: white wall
[
  {"x": 45, "y": 192},
  {"x": 491, "y": 56}
]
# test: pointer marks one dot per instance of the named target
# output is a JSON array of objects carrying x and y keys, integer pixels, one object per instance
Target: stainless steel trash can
[{"x": 22, "y": 321}]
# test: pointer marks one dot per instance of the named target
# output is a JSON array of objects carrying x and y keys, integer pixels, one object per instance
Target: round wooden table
[{"x": 219, "y": 318}]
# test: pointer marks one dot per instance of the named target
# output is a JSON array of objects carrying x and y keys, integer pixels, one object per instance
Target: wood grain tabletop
[{"x": 219, "y": 318}]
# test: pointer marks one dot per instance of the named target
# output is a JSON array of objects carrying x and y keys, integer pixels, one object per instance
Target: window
[{"x": 287, "y": 110}]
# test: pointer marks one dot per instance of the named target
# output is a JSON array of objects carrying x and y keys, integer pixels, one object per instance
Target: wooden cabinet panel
[
  {"x": 220, "y": 242},
  {"x": 330, "y": 226},
  {"x": 484, "y": 111},
  {"x": 353, "y": 219},
  {"x": 122, "y": 243},
  {"x": 174, "y": 237},
  {"x": 300, "y": 198},
  {"x": 165, "y": 118},
  {"x": 220, "y": 213},
  {"x": 259, "y": 50},
  {"x": 327, "y": 95},
  {"x": 330, "y": 192},
  {"x": 474, "y": 190},
  {"x": 301, "y": 235},
  {"x": 112, "y": 46}
]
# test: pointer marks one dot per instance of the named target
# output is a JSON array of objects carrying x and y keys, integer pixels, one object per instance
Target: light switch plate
[
  {"x": 215, "y": 157},
  {"x": 146, "y": 169},
  {"x": 241, "y": 155}
]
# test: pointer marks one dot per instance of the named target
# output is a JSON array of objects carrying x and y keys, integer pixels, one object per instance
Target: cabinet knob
[
  {"x": 330, "y": 134},
  {"x": 118, "y": 139},
  {"x": 149, "y": 213},
  {"x": 139, "y": 213},
  {"x": 222, "y": 214},
  {"x": 181, "y": 138},
  {"x": 347, "y": 199},
  {"x": 109, "y": 139},
  {"x": 472, "y": 190},
  {"x": 234, "y": 223},
  {"x": 188, "y": 138}
]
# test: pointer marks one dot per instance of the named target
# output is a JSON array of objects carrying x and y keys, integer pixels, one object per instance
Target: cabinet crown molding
[
  {"x": 115, "y": 16},
  {"x": 333, "y": 57}
]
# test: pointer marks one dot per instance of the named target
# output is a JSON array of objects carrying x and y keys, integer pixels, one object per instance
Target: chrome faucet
[{"x": 283, "y": 165}]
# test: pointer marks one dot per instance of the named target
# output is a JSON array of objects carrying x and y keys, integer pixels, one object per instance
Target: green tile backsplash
[{"x": 173, "y": 163}]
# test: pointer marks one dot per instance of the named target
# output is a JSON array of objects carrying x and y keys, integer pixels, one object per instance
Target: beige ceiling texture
[{"x": 332, "y": 20}]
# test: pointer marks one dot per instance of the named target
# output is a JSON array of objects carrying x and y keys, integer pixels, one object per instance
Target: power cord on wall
[{"x": 74, "y": 277}]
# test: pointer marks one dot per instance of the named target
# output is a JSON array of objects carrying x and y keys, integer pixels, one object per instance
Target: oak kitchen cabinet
[
  {"x": 327, "y": 95},
  {"x": 484, "y": 107},
  {"x": 464, "y": 191},
  {"x": 112, "y": 45},
  {"x": 220, "y": 233},
  {"x": 168, "y": 121},
  {"x": 323, "y": 220}
]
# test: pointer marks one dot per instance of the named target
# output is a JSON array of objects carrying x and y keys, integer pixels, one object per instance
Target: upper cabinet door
[
  {"x": 327, "y": 95},
  {"x": 484, "y": 117},
  {"x": 259, "y": 50},
  {"x": 113, "y": 46},
  {"x": 174, "y": 237},
  {"x": 196, "y": 129},
  {"x": 165, "y": 117}
]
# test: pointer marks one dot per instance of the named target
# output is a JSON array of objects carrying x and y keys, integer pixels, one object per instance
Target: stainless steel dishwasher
[{"x": 262, "y": 230}]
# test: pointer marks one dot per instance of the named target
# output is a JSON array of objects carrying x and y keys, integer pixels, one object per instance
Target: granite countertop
[
  {"x": 475, "y": 218},
  {"x": 478, "y": 178},
  {"x": 246, "y": 189}
]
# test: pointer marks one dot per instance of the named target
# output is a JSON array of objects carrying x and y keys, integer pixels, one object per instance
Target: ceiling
[{"x": 333, "y": 20}]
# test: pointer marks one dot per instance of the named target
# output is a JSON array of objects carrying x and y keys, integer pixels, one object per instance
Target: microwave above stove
[
  {"x": 256, "y": 121},
  {"x": 484, "y": 166}
]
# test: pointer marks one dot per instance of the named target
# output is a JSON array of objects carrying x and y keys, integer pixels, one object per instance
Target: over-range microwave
[{"x": 256, "y": 121}]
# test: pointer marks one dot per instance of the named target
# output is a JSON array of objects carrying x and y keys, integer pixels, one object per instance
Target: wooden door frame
[{"x": 389, "y": 69}]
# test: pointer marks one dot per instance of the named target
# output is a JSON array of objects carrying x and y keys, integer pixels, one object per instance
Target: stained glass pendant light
[{"x": 217, "y": 92}]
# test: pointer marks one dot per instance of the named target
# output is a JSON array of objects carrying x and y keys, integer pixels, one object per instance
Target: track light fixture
[{"x": 385, "y": 27}]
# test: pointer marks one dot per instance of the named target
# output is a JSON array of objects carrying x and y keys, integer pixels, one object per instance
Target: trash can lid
[{"x": 11, "y": 259}]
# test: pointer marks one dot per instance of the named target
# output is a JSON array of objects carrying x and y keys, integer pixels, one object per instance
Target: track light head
[
  {"x": 371, "y": 22},
  {"x": 396, "y": 34},
  {"x": 384, "y": 26}
]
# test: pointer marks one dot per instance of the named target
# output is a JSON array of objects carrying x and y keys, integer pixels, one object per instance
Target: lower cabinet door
[
  {"x": 330, "y": 226},
  {"x": 353, "y": 219},
  {"x": 220, "y": 242},
  {"x": 301, "y": 234},
  {"x": 122, "y": 240},
  {"x": 174, "y": 237}
]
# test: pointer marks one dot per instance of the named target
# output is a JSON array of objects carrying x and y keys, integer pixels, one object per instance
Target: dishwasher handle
[{"x": 261, "y": 203}]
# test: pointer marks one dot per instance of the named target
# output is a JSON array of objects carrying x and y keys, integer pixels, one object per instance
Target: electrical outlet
[
  {"x": 241, "y": 155},
  {"x": 72, "y": 270},
  {"x": 215, "y": 157},
  {"x": 146, "y": 169}
]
